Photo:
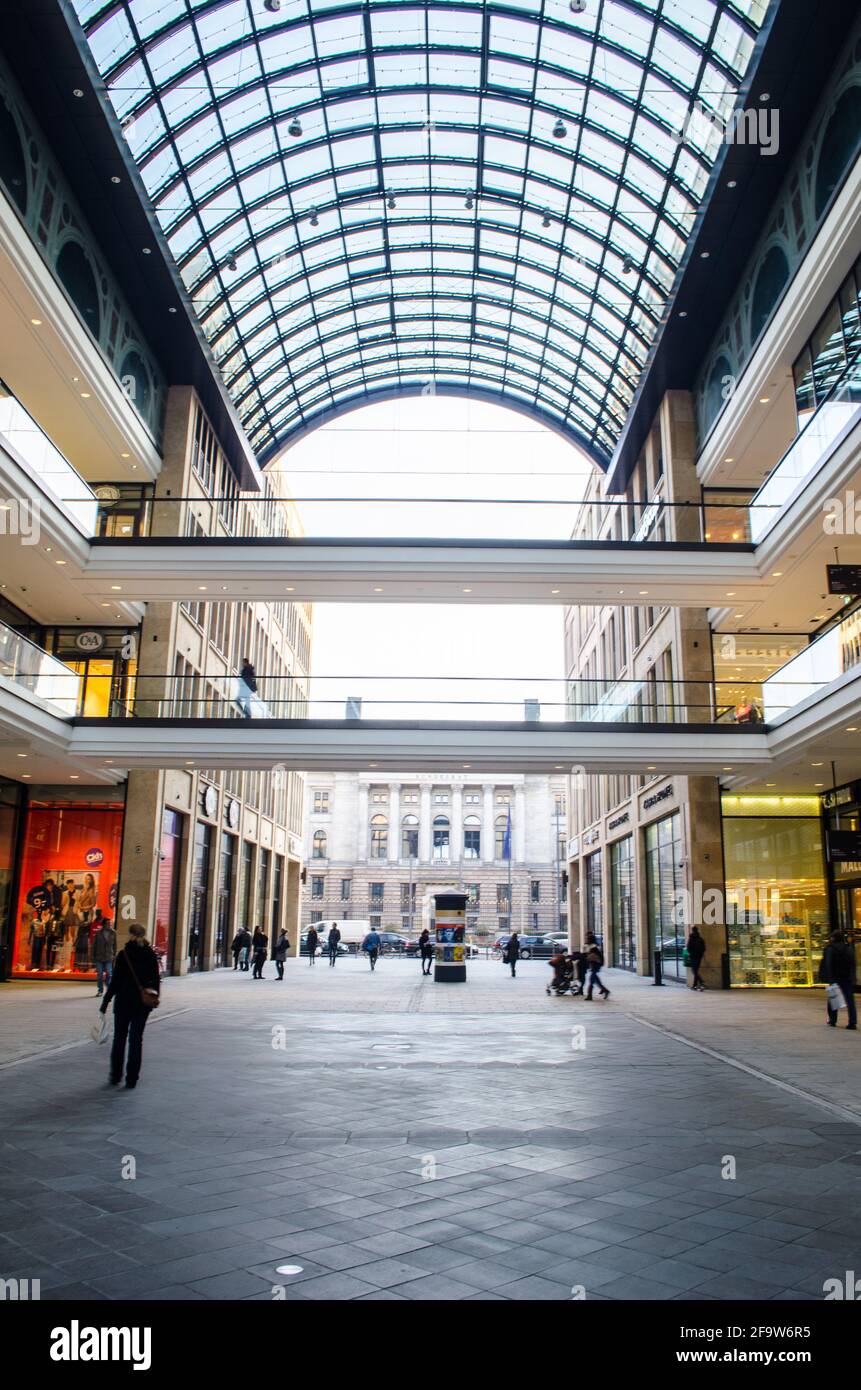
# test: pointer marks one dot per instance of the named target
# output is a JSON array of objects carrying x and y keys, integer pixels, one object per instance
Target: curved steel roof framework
[{"x": 369, "y": 198}]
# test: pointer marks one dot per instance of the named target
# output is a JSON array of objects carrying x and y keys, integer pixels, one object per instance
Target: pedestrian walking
[
  {"x": 426, "y": 951},
  {"x": 511, "y": 954},
  {"x": 279, "y": 953},
  {"x": 235, "y": 948},
  {"x": 247, "y": 687},
  {"x": 135, "y": 988},
  {"x": 333, "y": 938},
  {"x": 104, "y": 950},
  {"x": 245, "y": 943},
  {"x": 695, "y": 949},
  {"x": 371, "y": 944},
  {"x": 259, "y": 947},
  {"x": 594, "y": 962},
  {"x": 837, "y": 967},
  {"x": 312, "y": 941}
]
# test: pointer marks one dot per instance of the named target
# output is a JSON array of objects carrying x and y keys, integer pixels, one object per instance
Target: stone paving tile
[{"x": 539, "y": 1188}]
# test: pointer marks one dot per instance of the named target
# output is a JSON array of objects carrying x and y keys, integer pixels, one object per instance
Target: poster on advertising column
[{"x": 450, "y": 945}]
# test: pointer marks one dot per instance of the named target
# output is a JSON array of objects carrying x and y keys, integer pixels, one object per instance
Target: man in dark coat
[
  {"x": 135, "y": 968},
  {"x": 696, "y": 949},
  {"x": 838, "y": 968}
]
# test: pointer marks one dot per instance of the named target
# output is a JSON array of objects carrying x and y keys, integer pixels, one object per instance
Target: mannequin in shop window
[
  {"x": 38, "y": 933},
  {"x": 53, "y": 938}
]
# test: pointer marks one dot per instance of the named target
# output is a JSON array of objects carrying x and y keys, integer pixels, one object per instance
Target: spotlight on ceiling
[
  {"x": 560, "y": 130},
  {"x": 545, "y": 222},
  {"x": 273, "y": 6},
  {"x": 470, "y": 201},
  {"x": 295, "y": 127},
  {"x": 231, "y": 263},
  {"x": 577, "y": 6},
  {"x": 627, "y": 266},
  {"x": 390, "y": 202},
  {"x": 315, "y": 221}
]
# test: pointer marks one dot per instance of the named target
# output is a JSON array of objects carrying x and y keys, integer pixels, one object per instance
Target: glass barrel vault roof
[{"x": 365, "y": 198}]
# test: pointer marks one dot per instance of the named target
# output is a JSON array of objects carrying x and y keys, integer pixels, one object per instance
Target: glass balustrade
[
  {"x": 52, "y": 469},
  {"x": 838, "y": 413},
  {"x": 29, "y": 668}
]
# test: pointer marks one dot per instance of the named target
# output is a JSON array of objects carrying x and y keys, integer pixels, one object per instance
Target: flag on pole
[{"x": 506, "y": 839}]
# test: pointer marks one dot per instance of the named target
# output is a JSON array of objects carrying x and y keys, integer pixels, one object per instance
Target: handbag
[
  {"x": 99, "y": 1030},
  {"x": 834, "y": 995},
  {"x": 149, "y": 997}
]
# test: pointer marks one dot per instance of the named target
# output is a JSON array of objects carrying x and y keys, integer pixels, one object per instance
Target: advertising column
[{"x": 450, "y": 919}]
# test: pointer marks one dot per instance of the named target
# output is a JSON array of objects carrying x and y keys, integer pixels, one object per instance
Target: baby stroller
[{"x": 569, "y": 974}]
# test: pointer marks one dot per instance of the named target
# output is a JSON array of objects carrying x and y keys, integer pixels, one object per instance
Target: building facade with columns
[{"x": 379, "y": 849}]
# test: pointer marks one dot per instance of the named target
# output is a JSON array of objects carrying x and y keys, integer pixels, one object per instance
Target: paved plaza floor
[{"x": 385, "y": 1137}]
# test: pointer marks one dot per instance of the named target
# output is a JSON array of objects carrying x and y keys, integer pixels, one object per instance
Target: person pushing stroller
[{"x": 569, "y": 972}]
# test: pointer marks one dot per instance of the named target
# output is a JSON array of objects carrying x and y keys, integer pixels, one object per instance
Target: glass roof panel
[{"x": 367, "y": 193}]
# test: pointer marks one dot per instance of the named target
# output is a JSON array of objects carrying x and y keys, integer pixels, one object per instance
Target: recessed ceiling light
[
  {"x": 59, "y": 562},
  {"x": 77, "y": 92},
  {"x": 74, "y": 776},
  {"x": 290, "y": 589},
  {"x": 651, "y": 767},
  {"x": 727, "y": 769},
  {"x": 763, "y": 400},
  {"x": 683, "y": 313},
  {"x": 25, "y": 774},
  {"x": 117, "y": 588},
  {"x": 817, "y": 764},
  {"x": 22, "y": 755},
  {"x": 704, "y": 255},
  {"x": 554, "y": 591},
  {"x": 37, "y": 323},
  {"x": 201, "y": 588},
  {"x": 125, "y": 456},
  {"x": 732, "y": 183},
  {"x": 115, "y": 178},
  {"x": 731, "y": 593},
  {"x": 852, "y": 729},
  {"x": 729, "y": 460},
  {"x": 775, "y": 574},
  {"x": 643, "y": 592},
  {"x": 86, "y": 395},
  {"x": 465, "y": 591},
  {"x": 378, "y": 591},
  {"x": 172, "y": 309}
]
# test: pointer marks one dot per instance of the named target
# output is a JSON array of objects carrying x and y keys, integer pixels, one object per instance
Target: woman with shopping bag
[{"x": 837, "y": 973}]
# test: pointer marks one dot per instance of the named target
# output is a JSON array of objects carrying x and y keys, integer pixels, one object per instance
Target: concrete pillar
[
  {"x": 488, "y": 833},
  {"x": 140, "y": 853},
  {"x": 704, "y": 871},
  {"x": 518, "y": 826},
  {"x": 645, "y": 945},
  {"x": 394, "y": 846},
  {"x": 456, "y": 849},
  {"x": 678, "y": 435},
  {"x": 293, "y": 894},
  {"x": 362, "y": 831},
  {"x": 425, "y": 839}
]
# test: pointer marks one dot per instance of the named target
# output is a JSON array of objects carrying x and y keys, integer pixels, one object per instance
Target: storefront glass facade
[
  {"x": 842, "y": 815},
  {"x": 624, "y": 932},
  {"x": 665, "y": 881},
  {"x": 69, "y": 869},
  {"x": 776, "y": 893},
  {"x": 595, "y": 896}
]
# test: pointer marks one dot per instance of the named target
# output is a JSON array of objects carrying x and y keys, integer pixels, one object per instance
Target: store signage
[
  {"x": 574, "y": 847},
  {"x": 839, "y": 797},
  {"x": 94, "y": 857},
  {"x": 665, "y": 794},
  {"x": 844, "y": 579},
  {"x": 590, "y": 837},
  {"x": 90, "y": 641},
  {"x": 844, "y": 846},
  {"x": 620, "y": 820}
]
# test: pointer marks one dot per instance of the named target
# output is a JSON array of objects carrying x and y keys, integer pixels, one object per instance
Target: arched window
[
  {"x": 441, "y": 837},
  {"x": 502, "y": 850},
  {"x": 134, "y": 379},
  {"x": 718, "y": 389},
  {"x": 77, "y": 276},
  {"x": 379, "y": 837},
  {"x": 770, "y": 280},
  {"x": 410, "y": 837},
  {"x": 471, "y": 837},
  {"x": 838, "y": 147},
  {"x": 13, "y": 167},
  {"x": 319, "y": 848}
]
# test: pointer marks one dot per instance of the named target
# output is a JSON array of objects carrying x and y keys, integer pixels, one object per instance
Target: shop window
[
  {"x": 776, "y": 897},
  {"x": 69, "y": 872},
  {"x": 624, "y": 944},
  {"x": 665, "y": 882}
]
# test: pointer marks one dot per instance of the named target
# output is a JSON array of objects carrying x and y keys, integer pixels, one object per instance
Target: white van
[{"x": 353, "y": 931}]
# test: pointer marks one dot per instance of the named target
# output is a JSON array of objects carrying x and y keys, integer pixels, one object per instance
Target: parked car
[
  {"x": 534, "y": 946},
  {"x": 323, "y": 947},
  {"x": 391, "y": 944}
]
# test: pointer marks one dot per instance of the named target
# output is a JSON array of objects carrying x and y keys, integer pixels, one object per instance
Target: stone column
[
  {"x": 362, "y": 831},
  {"x": 518, "y": 826},
  {"x": 292, "y": 913},
  {"x": 704, "y": 872},
  {"x": 488, "y": 836},
  {"x": 425, "y": 839},
  {"x": 394, "y": 847},
  {"x": 456, "y": 848}
]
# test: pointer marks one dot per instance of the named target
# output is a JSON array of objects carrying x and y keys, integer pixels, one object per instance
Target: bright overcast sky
[{"x": 436, "y": 447}]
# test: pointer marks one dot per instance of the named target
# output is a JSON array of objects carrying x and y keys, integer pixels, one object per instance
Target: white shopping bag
[
  {"x": 834, "y": 995},
  {"x": 99, "y": 1030}
]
